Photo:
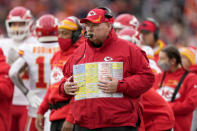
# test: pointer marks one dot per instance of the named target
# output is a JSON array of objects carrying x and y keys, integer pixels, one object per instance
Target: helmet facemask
[
  {"x": 14, "y": 23},
  {"x": 18, "y": 33}
]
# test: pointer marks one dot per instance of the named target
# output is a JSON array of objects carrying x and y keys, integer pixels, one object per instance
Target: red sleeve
[
  {"x": 6, "y": 85},
  {"x": 44, "y": 106},
  {"x": 70, "y": 117},
  {"x": 67, "y": 71},
  {"x": 190, "y": 99},
  {"x": 141, "y": 78}
]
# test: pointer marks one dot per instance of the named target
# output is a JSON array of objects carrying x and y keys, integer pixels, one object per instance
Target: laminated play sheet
[{"x": 88, "y": 75}]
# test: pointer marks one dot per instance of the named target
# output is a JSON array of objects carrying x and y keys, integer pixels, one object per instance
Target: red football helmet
[
  {"x": 47, "y": 28},
  {"x": 126, "y": 21},
  {"x": 18, "y": 23},
  {"x": 131, "y": 35}
]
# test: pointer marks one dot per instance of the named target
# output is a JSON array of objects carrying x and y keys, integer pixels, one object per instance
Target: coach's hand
[
  {"x": 108, "y": 86},
  {"x": 70, "y": 88}
]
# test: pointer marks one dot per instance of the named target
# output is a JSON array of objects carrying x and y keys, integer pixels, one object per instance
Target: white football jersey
[
  {"x": 38, "y": 58},
  {"x": 10, "y": 49},
  {"x": 150, "y": 54}
]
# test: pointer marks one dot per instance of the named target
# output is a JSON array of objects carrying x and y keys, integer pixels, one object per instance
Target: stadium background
[{"x": 177, "y": 18}]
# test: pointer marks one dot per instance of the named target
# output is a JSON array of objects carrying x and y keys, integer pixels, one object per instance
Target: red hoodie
[
  {"x": 111, "y": 112},
  {"x": 186, "y": 98},
  {"x": 6, "y": 93},
  {"x": 52, "y": 96}
]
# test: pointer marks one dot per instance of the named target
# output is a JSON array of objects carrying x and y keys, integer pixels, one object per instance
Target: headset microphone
[
  {"x": 89, "y": 36},
  {"x": 86, "y": 36}
]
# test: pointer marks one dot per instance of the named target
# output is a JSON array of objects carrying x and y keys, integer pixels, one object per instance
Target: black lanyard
[{"x": 178, "y": 86}]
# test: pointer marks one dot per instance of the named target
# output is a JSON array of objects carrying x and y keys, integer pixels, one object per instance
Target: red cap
[
  {"x": 147, "y": 26},
  {"x": 96, "y": 16}
]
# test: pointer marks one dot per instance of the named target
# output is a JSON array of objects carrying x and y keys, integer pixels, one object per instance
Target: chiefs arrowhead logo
[
  {"x": 56, "y": 75},
  {"x": 107, "y": 58},
  {"x": 91, "y": 13},
  {"x": 167, "y": 92}
]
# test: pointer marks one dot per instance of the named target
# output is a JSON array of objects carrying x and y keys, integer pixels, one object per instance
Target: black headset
[
  {"x": 77, "y": 33},
  {"x": 108, "y": 13},
  {"x": 156, "y": 33}
]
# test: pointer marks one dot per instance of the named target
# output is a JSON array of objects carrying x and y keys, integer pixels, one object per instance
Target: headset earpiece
[
  {"x": 108, "y": 13},
  {"x": 76, "y": 34}
]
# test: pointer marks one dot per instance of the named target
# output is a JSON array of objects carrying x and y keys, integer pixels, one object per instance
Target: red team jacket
[
  {"x": 52, "y": 96},
  {"x": 157, "y": 114},
  {"x": 186, "y": 98},
  {"x": 137, "y": 78},
  {"x": 6, "y": 93}
]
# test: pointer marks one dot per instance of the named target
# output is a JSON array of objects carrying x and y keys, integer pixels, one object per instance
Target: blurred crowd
[{"x": 176, "y": 18}]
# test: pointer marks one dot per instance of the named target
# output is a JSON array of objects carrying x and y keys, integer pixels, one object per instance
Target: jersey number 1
[{"x": 40, "y": 83}]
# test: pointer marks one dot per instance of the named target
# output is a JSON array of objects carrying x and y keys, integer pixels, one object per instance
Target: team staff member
[
  {"x": 6, "y": 93},
  {"x": 157, "y": 114},
  {"x": 149, "y": 29},
  {"x": 184, "y": 101},
  {"x": 112, "y": 114},
  {"x": 69, "y": 33}
]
